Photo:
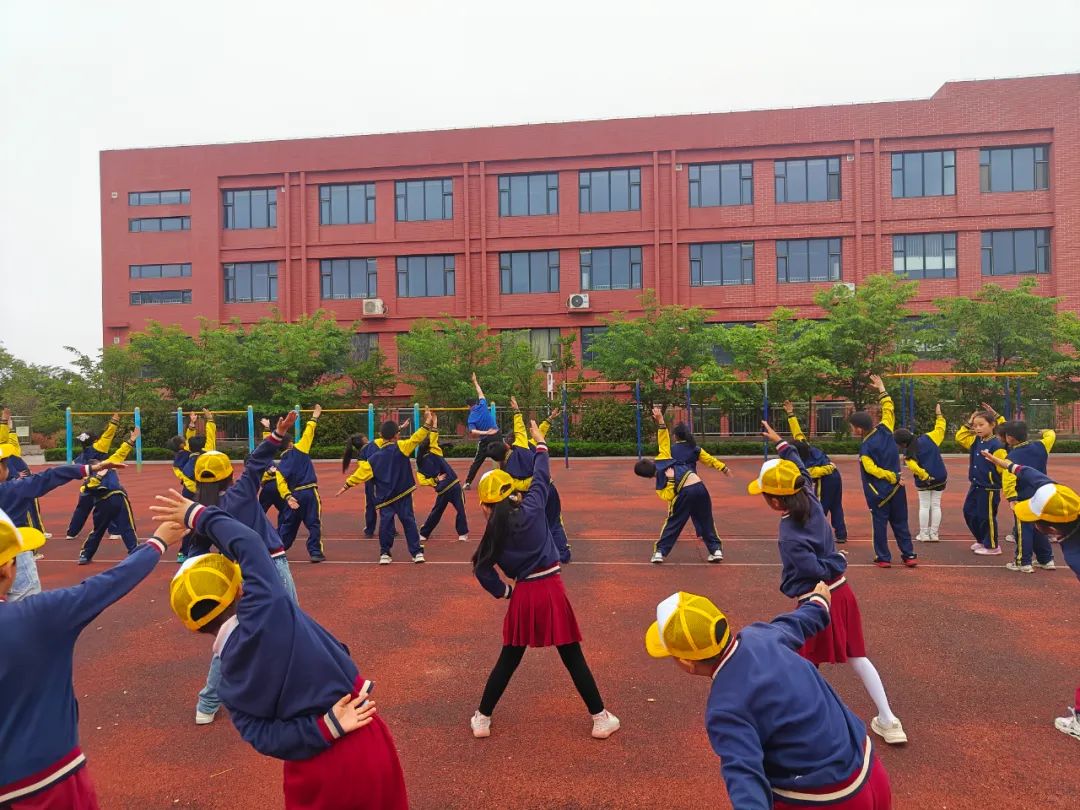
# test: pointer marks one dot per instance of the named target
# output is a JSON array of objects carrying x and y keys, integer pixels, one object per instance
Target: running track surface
[{"x": 977, "y": 660}]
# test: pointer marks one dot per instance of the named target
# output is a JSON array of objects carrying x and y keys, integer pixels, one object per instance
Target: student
[
  {"x": 269, "y": 497},
  {"x": 481, "y": 425},
  {"x": 360, "y": 448},
  {"x": 684, "y": 492},
  {"x": 291, "y": 688},
  {"x": 984, "y": 492},
  {"x": 879, "y": 467},
  {"x": 518, "y": 541},
  {"x": 922, "y": 455},
  {"x": 215, "y": 487},
  {"x": 187, "y": 449},
  {"x": 1029, "y": 541},
  {"x": 392, "y": 472},
  {"x": 434, "y": 471},
  {"x": 41, "y": 764},
  {"x": 809, "y": 557},
  {"x": 19, "y": 468},
  {"x": 1053, "y": 510},
  {"x": 299, "y": 488},
  {"x": 94, "y": 448},
  {"x": 784, "y": 737},
  {"x": 111, "y": 505},
  {"x": 828, "y": 485}
]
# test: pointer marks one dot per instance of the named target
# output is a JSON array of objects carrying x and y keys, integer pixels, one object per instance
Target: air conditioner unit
[
  {"x": 850, "y": 158},
  {"x": 578, "y": 301},
  {"x": 374, "y": 308},
  {"x": 849, "y": 284}
]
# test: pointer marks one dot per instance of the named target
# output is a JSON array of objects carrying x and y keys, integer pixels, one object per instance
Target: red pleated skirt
[
  {"x": 843, "y": 638},
  {"x": 540, "y": 615}
]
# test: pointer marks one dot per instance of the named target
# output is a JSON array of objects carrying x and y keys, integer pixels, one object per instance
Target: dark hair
[
  {"x": 982, "y": 415},
  {"x": 683, "y": 433},
  {"x": 503, "y": 521},
  {"x": 645, "y": 467},
  {"x": 353, "y": 446},
  {"x": 389, "y": 429},
  {"x": 861, "y": 420},
  {"x": 797, "y": 506},
  {"x": 88, "y": 442},
  {"x": 802, "y": 447},
  {"x": 208, "y": 493},
  {"x": 176, "y": 443},
  {"x": 902, "y": 436},
  {"x": 471, "y": 401},
  {"x": 494, "y": 448},
  {"x": 1017, "y": 429},
  {"x": 196, "y": 444},
  {"x": 1061, "y": 531},
  {"x": 423, "y": 449}
]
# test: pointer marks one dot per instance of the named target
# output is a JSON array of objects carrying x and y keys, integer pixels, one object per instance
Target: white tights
[
  {"x": 929, "y": 511},
  {"x": 872, "y": 682}
]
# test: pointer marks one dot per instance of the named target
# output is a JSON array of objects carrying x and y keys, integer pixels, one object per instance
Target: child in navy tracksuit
[
  {"x": 94, "y": 448},
  {"x": 434, "y": 471},
  {"x": 809, "y": 556},
  {"x": 291, "y": 688},
  {"x": 922, "y": 455},
  {"x": 518, "y": 540},
  {"x": 984, "y": 492},
  {"x": 828, "y": 485},
  {"x": 685, "y": 493},
  {"x": 111, "y": 505},
  {"x": 784, "y": 737},
  {"x": 879, "y": 467},
  {"x": 389, "y": 467},
  {"x": 19, "y": 468},
  {"x": 41, "y": 764},
  {"x": 360, "y": 448},
  {"x": 299, "y": 488},
  {"x": 1030, "y": 542}
]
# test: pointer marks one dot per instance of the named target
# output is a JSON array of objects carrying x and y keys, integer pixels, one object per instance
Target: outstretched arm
[
  {"x": 937, "y": 435},
  {"x": 476, "y": 385},
  {"x": 888, "y": 409}
]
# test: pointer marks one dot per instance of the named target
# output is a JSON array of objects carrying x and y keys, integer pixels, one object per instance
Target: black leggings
[
  {"x": 478, "y": 459},
  {"x": 574, "y": 661}
]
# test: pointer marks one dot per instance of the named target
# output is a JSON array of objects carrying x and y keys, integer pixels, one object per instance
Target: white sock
[{"x": 874, "y": 687}]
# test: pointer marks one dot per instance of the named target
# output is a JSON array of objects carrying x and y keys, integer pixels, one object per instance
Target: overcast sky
[{"x": 77, "y": 77}]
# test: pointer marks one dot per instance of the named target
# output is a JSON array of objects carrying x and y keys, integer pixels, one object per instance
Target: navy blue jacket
[
  {"x": 879, "y": 454},
  {"x": 17, "y": 494},
  {"x": 390, "y": 468}
]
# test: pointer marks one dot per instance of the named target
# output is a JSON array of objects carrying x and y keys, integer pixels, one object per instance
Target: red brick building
[{"x": 738, "y": 212}]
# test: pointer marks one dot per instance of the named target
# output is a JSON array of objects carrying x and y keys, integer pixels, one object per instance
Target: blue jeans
[{"x": 26, "y": 577}]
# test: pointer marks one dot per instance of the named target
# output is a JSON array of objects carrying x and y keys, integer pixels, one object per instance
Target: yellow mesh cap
[
  {"x": 212, "y": 466},
  {"x": 778, "y": 476},
  {"x": 495, "y": 486},
  {"x": 685, "y": 627},
  {"x": 1052, "y": 503},
  {"x": 211, "y": 577},
  {"x": 14, "y": 541}
]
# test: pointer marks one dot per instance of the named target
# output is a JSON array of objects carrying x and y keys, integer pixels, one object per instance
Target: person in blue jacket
[
  {"x": 434, "y": 471},
  {"x": 291, "y": 688},
  {"x": 18, "y": 467},
  {"x": 94, "y": 448},
  {"x": 111, "y": 505},
  {"x": 299, "y": 488},
  {"x": 1033, "y": 549},
  {"x": 360, "y": 448},
  {"x": 481, "y": 426},
  {"x": 979, "y": 433},
  {"x": 828, "y": 484},
  {"x": 41, "y": 763},
  {"x": 922, "y": 455},
  {"x": 784, "y": 737}
]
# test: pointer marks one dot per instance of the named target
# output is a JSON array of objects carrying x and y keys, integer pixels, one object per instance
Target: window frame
[
  {"x": 698, "y": 252},
  {"x": 900, "y": 251},
  {"x": 326, "y": 274},
  {"x": 526, "y": 335},
  {"x": 1040, "y": 168},
  {"x": 506, "y": 271},
  {"x": 634, "y": 268},
  {"x": 898, "y": 174},
  {"x": 251, "y": 269},
  {"x": 139, "y": 271},
  {"x": 505, "y": 188},
  {"x": 449, "y": 279},
  {"x": 135, "y": 198},
  {"x": 786, "y": 257},
  {"x": 361, "y": 354},
  {"x": 1041, "y": 240},
  {"x": 326, "y": 203},
  {"x": 401, "y": 199},
  {"x": 136, "y": 298},
  {"x": 185, "y": 224},
  {"x": 231, "y": 208},
  {"x": 782, "y": 168},
  {"x": 586, "y": 346},
  {"x": 585, "y": 189},
  {"x": 745, "y": 181}
]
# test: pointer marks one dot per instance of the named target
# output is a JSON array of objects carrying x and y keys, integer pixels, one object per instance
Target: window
[
  {"x": 588, "y": 335},
  {"x": 181, "y": 197},
  {"x": 807, "y": 180},
  {"x": 159, "y": 270},
  {"x": 924, "y": 341},
  {"x": 347, "y": 278},
  {"x": 425, "y": 276},
  {"x": 535, "y": 271},
  {"x": 528, "y": 195},
  {"x": 352, "y": 204},
  {"x": 155, "y": 224},
  {"x": 807, "y": 260},
  {"x": 1010, "y": 253},
  {"x": 610, "y": 190},
  {"x": 1020, "y": 168},
  {"x": 721, "y": 356},
  {"x": 160, "y": 297},
  {"x": 721, "y": 263},
  {"x": 544, "y": 342},
  {"x": 419, "y": 200},
  {"x": 362, "y": 345},
  {"x": 250, "y": 209},
  {"x": 924, "y": 174},
  {"x": 611, "y": 268},
  {"x": 250, "y": 281},
  {"x": 925, "y": 255},
  {"x": 721, "y": 184}
]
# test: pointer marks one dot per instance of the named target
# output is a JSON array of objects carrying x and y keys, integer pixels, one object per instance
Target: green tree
[
  {"x": 369, "y": 378},
  {"x": 113, "y": 380},
  {"x": 178, "y": 364}
]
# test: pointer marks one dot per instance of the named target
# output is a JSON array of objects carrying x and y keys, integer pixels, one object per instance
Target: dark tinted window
[
  {"x": 721, "y": 263},
  {"x": 418, "y": 200},
  {"x": 807, "y": 180},
  {"x": 924, "y": 174},
  {"x": 1007, "y": 253},
  {"x": 611, "y": 268},
  {"x": 1020, "y": 168},
  {"x": 714, "y": 184},
  {"x": 528, "y": 195},
  {"x": 925, "y": 255},
  {"x": 609, "y": 190},
  {"x": 159, "y": 270},
  {"x": 178, "y": 197},
  {"x": 425, "y": 276},
  {"x": 348, "y": 204},
  {"x": 362, "y": 346},
  {"x": 157, "y": 224},
  {"x": 535, "y": 271},
  {"x": 588, "y": 335},
  {"x": 160, "y": 297},
  {"x": 347, "y": 278},
  {"x": 249, "y": 209},
  {"x": 799, "y": 260},
  {"x": 250, "y": 281}
]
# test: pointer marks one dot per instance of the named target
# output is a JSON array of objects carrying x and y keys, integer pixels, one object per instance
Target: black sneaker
[
  {"x": 317, "y": 558},
  {"x": 84, "y": 560}
]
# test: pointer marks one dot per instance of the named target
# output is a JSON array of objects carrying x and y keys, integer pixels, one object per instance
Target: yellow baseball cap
[
  {"x": 686, "y": 627},
  {"x": 495, "y": 486},
  {"x": 208, "y": 577},
  {"x": 1053, "y": 503},
  {"x": 212, "y": 466},
  {"x": 14, "y": 541},
  {"x": 778, "y": 476}
]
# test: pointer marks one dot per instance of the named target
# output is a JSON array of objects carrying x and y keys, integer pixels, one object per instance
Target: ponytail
[
  {"x": 683, "y": 433},
  {"x": 500, "y": 525},
  {"x": 353, "y": 446}
]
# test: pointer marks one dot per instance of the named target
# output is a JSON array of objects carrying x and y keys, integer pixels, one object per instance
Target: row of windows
[
  {"x": 159, "y": 270},
  {"x": 160, "y": 297},
  {"x": 178, "y": 197},
  {"x": 155, "y": 224}
]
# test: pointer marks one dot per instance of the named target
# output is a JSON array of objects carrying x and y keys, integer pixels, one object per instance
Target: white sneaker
[
  {"x": 69, "y": 537},
  {"x": 604, "y": 725},
  {"x": 419, "y": 558},
  {"x": 481, "y": 725},
  {"x": 463, "y": 538},
  {"x": 715, "y": 557},
  {"x": 1010, "y": 538},
  {"x": 38, "y": 556},
  {"x": 384, "y": 559},
  {"x": 1024, "y": 569},
  {"x": 988, "y": 552},
  {"x": 933, "y": 537},
  {"x": 115, "y": 537},
  {"x": 1049, "y": 566},
  {"x": 893, "y": 734},
  {"x": 203, "y": 719},
  {"x": 922, "y": 537},
  {"x": 657, "y": 558},
  {"x": 1069, "y": 724},
  {"x": 422, "y": 539},
  {"x": 48, "y": 535},
  {"x": 976, "y": 546}
]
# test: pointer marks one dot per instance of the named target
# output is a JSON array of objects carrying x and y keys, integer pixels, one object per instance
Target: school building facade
[{"x": 551, "y": 227}]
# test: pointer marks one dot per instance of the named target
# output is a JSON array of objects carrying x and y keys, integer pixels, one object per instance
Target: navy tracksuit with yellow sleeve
[
  {"x": 518, "y": 463},
  {"x": 17, "y": 468},
  {"x": 685, "y": 501},
  {"x": 828, "y": 485},
  {"x": 434, "y": 471},
  {"x": 370, "y": 498},
  {"x": 984, "y": 494},
  {"x": 296, "y": 479},
  {"x": 1034, "y": 455},
  {"x": 98, "y": 451},
  {"x": 111, "y": 507},
  {"x": 925, "y": 461},
  {"x": 389, "y": 467},
  {"x": 879, "y": 467}
]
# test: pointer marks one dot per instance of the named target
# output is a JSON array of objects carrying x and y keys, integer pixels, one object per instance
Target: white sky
[{"x": 77, "y": 77}]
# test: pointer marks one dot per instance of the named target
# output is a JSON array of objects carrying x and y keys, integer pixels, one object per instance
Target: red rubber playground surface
[{"x": 977, "y": 660}]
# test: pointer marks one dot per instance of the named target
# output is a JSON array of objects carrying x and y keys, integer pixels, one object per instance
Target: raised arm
[
  {"x": 304, "y": 445},
  {"x": 535, "y": 500},
  {"x": 104, "y": 442},
  {"x": 711, "y": 461},
  {"x": 476, "y": 385},
  {"x": 663, "y": 438},
  {"x": 521, "y": 436},
  {"x": 808, "y": 619},
  {"x": 262, "y": 458},
  {"x": 211, "y": 430},
  {"x": 937, "y": 435},
  {"x": 409, "y": 445},
  {"x": 888, "y": 409},
  {"x": 793, "y": 422},
  {"x": 1048, "y": 438}
]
